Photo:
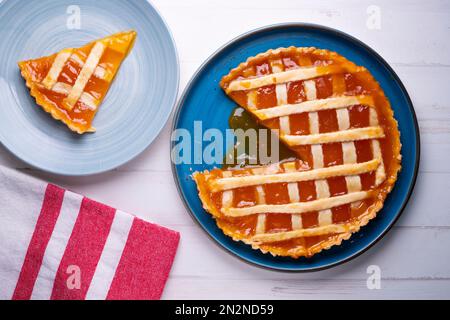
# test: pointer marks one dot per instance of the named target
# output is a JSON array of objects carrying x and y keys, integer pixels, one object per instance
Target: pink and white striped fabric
[{"x": 55, "y": 244}]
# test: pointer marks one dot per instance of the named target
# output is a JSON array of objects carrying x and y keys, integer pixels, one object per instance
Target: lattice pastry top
[
  {"x": 71, "y": 84},
  {"x": 335, "y": 116}
]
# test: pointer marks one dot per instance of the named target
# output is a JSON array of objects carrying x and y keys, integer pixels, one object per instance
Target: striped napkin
[{"x": 55, "y": 244}]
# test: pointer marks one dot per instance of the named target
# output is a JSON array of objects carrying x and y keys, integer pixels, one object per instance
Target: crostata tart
[
  {"x": 71, "y": 84},
  {"x": 336, "y": 118}
]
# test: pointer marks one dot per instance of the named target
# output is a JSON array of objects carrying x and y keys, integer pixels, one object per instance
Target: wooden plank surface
[{"x": 413, "y": 258}]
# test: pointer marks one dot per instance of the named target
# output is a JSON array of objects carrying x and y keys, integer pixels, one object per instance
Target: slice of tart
[
  {"x": 71, "y": 84},
  {"x": 337, "y": 119},
  {"x": 288, "y": 208}
]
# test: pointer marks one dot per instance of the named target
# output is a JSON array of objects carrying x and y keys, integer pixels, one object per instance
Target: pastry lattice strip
[
  {"x": 227, "y": 183},
  {"x": 298, "y": 207},
  {"x": 312, "y": 105},
  {"x": 86, "y": 73},
  {"x": 298, "y": 74}
]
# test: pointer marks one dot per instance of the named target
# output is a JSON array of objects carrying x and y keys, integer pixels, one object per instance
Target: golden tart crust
[
  {"x": 71, "y": 84},
  {"x": 334, "y": 115}
]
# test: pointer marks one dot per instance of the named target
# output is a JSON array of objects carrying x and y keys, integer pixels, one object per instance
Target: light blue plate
[
  {"x": 204, "y": 101},
  {"x": 136, "y": 107}
]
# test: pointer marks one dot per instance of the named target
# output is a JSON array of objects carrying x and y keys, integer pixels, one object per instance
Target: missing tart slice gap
[
  {"x": 336, "y": 118},
  {"x": 71, "y": 84}
]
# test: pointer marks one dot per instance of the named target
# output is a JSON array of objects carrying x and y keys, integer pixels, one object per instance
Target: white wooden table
[{"x": 414, "y": 258}]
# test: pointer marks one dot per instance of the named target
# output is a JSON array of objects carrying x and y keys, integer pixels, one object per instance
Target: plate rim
[
  {"x": 313, "y": 26},
  {"x": 145, "y": 146}
]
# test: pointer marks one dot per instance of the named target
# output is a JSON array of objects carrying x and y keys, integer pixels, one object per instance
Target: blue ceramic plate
[
  {"x": 204, "y": 101},
  {"x": 136, "y": 108}
]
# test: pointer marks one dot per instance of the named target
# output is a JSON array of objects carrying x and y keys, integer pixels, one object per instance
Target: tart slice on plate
[
  {"x": 336, "y": 118},
  {"x": 71, "y": 84}
]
